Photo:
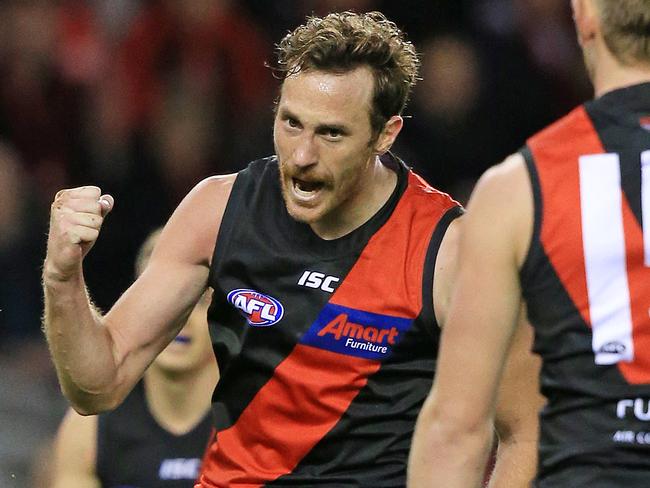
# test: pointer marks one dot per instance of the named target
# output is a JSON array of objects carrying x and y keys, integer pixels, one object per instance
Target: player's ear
[
  {"x": 585, "y": 15},
  {"x": 388, "y": 134}
]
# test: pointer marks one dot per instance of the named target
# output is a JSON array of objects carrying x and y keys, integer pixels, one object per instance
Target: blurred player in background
[
  {"x": 564, "y": 226},
  {"x": 157, "y": 437}
]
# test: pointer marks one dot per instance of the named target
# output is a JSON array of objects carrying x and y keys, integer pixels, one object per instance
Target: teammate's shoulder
[
  {"x": 502, "y": 185},
  {"x": 508, "y": 172},
  {"x": 566, "y": 125},
  {"x": 501, "y": 206}
]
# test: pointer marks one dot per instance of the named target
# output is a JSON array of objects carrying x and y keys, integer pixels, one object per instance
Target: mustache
[{"x": 306, "y": 174}]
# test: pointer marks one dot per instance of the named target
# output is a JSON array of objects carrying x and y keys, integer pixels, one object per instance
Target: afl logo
[{"x": 260, "y": 310}]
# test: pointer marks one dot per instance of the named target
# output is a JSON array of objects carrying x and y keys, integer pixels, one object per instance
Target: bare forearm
[
  {"x": 517, "y": 422},
  {"x": 442, "y": 455},
  {"x": 515, "y": 465},
  {"x": 80, "y": 346}
]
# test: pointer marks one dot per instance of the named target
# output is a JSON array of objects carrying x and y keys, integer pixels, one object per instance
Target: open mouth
[{"x": 306, "y": 189}]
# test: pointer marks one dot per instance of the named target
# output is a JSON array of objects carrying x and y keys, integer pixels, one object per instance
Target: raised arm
[
  {"x": 99, "y": 358},
  {"x": 455, "y": 428}
]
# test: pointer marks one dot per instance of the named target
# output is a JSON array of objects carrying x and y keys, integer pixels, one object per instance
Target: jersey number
[{"x": 603, "y": 240}]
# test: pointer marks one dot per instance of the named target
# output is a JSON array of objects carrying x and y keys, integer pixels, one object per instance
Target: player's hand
[{"x": 76, "y": 217}]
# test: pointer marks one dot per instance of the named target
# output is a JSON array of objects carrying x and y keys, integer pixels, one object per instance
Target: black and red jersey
[
  {"x": 135, "y": 451},
  {"x": 586, "y": 282},
  {"x": 326, "y": 347}
]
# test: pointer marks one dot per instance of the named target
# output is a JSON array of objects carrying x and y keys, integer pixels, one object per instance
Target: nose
[{"x": 305, "y": 153}]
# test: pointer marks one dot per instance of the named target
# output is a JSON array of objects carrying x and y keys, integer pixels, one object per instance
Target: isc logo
[
  {"x": 260, "y": 310},
  {"x": 314, "y": 279}
]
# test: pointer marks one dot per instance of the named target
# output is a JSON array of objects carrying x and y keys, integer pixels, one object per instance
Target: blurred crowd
[{"x": 146, "y": 97}]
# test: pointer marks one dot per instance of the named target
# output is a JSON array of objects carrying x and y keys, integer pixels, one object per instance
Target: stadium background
[{"x": 146, "y": 97}]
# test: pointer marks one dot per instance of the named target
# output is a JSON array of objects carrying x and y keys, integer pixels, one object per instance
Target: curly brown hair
[
  {"x": 626, "y": 29},
  {"x": 341, "y": 42}
]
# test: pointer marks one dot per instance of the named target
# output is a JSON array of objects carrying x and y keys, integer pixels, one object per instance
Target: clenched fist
[{"x": 76, "y": 217}]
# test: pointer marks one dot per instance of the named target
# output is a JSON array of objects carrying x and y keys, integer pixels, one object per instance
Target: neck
[
  {"x": 179, "y": 402},
  {"x": 609, "y": 74},
  {"x": 376, "y": 187}
]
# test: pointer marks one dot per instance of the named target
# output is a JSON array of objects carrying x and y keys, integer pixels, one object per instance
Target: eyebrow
[
  {"x": 332, "y": 127},
  {"x": 342, "y": 128}
]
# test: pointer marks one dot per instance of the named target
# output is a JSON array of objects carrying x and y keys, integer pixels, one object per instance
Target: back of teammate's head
[
  {"x": 144, "y": 253},
  {"x": 342, "y": 42},
  {"x": 625, "y": 28}
]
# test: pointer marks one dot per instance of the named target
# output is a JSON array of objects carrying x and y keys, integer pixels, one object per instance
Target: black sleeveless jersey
[
  {"x": 134, "y": 451},
  {"x": 326, "y": 348},
  {"x": 586, "y": 281}
]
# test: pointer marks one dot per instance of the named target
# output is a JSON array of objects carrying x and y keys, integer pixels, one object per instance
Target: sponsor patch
[
  {"x": 179, "y": 469},
  {"x": 356, "y": 332},
  {"x": 259, "y": 309}
]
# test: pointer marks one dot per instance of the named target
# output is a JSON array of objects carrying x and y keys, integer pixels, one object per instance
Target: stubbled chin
[
  {"x": 302, "y": 214},
  {"x": 299, "y": 212}
]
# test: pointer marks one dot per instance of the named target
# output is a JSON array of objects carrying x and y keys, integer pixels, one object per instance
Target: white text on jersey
[{"x": 314, "y": 279}]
